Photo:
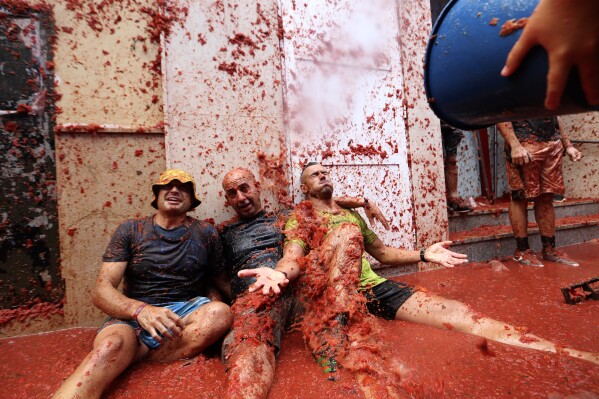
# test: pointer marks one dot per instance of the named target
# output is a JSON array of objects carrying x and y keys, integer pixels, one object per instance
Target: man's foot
[
  {"x": 553, "y": 255},
  {"x": 459, "y": 205},
  {"x": 326, "y": 358},
  {"x": 527, "y": 258},
  {"x": 329, "y": 366},
  {"x": 558, "y": 198}
]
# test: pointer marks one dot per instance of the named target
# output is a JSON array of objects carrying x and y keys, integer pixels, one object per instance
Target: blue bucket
[{"x": 464, "y": 58}]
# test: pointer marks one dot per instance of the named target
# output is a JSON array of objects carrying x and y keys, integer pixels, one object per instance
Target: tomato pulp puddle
[{"x": 442, "y": 363}]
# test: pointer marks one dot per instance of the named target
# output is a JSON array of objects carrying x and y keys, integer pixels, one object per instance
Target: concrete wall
[
  {"x": 110, "y": 143},
  {"x": 582, "y": 178},
  {"x": 103, "y": 74},
  {"x": 422, "y": 126}
]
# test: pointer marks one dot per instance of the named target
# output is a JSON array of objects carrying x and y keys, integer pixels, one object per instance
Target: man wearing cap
[
  {"x": 325, "y": 245},
  {"x": 165, "y": 260}
]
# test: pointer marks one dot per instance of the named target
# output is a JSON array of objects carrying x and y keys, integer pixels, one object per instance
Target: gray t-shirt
[
  {"x": 163, "y": 268},
  {"x": 251, "y": 243}
]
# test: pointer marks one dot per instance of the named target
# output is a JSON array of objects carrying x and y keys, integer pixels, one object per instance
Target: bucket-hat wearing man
[{"x": 164, "y": 260}]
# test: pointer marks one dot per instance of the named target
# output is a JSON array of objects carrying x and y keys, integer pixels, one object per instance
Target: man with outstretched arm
[
  {"x": 253, "y": 239},
  {"x": 338, "y": 258},
  {"x": 165, "y": 261}
]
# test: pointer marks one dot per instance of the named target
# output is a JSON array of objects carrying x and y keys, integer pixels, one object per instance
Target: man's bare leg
[
  {"x": 545, "y": 214},
  {"x": 115, "y": 348},
  {"x": 248, "y": 353},
  {"x": 434, "y": 310},
  {"x": 251, "y": 371},
  {"x": 341, "y": 258},
  {"x": 337, "y": 262},
  {"x": 519, "y": 217}
]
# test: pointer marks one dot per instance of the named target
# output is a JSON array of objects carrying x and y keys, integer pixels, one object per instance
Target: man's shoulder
[
  {"x": 205, "y": 226},
  {"x": 136, "y": 222},
  {"x": 262, "y": 218},
  {"x": 227, "y": 224}
]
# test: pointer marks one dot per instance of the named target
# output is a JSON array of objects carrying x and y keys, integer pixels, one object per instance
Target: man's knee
[
  {"x": 546, "y": 198},
  {"x": 115, "y": 345},
  {"x": 218, "y": 312}
]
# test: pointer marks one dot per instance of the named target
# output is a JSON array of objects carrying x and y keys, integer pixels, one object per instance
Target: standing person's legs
[
  {"x": 545, "y": 215},
  {"x": 552, "y": 182},
  {"x": 433, "y": 310},
  {"x": 451, "y": 141},
  {"x": 115, "y": 348},
  {"x": 524, "y": 183}
]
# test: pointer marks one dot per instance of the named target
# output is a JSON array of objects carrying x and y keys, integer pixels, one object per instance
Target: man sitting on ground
[
  {"x": 165, "y": 261},
  {"x": 329, "y": 242}
]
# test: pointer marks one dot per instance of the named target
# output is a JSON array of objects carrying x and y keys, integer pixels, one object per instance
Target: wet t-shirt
[
  {"x": 368, "y": 278},
  {"x": 249, "y": 244},
  {"x": 165, "y": 265},
  {"x": 544, "y": 129}
]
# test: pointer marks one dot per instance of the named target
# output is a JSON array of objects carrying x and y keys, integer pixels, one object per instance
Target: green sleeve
[
  {"x": 290, "y": 228},
  {"x": 369, "y": 235}
]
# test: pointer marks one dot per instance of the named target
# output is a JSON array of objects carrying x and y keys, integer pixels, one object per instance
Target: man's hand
[
  {"x": 374, "y": 213},
  {"x": 569, "y": 32},
  {"x": 438, "y": 253},
  {"x": 574, "y": 153},
  {"x": 520, "y": 155},
  {"x": 163, "y": 321},
  {"x": 267, "y": 279}
]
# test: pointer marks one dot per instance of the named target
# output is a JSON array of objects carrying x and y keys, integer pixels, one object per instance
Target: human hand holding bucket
[
  {"x": 569, "y": 32},
  {"x": 463, "y": 62}
]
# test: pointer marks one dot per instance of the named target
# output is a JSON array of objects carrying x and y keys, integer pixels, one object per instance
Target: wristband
[
  {"x": 138, "y": 310},
  {"x": 422, "y": 255}
]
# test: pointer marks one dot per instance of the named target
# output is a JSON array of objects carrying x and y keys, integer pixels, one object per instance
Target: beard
[{"x": 326, "y": 193}]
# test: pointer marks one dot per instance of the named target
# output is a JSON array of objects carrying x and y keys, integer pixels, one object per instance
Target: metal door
[
  {"x": 343, "y": 91},
  {"x": 29, "y": 251}
]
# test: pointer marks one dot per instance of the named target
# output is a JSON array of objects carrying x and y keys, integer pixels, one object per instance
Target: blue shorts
[{"x": 182, "y": 309}]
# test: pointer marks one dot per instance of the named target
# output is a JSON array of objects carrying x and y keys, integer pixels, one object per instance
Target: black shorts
[{"x": 385, "y": 299}]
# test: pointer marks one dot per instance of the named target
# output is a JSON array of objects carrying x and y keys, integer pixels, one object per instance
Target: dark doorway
[{"x": 29, "y": 246}]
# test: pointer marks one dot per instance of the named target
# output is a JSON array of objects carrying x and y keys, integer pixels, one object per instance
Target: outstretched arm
[
  {"x": 436, "y": 253},
  {"x": 569, "y": 32},
  {"x": 370, "y": 209},
  {"x": 276, "y": 279},
  {"x": 111, "y": 301}
]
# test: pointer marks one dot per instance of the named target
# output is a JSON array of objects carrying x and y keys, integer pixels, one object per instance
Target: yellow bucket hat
[{"x": 175, "y": 174}]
